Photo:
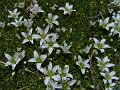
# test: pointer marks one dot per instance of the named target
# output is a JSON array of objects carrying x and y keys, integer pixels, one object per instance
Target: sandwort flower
[
  {"x": 68, "y": 9},
  {"x": 39, "y": 59}
]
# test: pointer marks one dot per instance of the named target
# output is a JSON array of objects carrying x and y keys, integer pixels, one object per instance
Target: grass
[{"x": 86, "y": 10}]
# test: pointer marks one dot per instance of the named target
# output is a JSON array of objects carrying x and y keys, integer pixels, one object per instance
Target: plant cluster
[{"x": 47, "y": 41}]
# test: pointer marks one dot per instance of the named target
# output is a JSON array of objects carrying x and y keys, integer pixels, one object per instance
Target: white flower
[
  {"x": 54, "y": 7},
  {"x": 68, "y": 9},
  {"x": 13, "y": 14},
  {"x": 52, "y": 37},
  {"x": 116, "y": 29},
  {"x": 109, "y": 76},
  {"x": 100, "y": 45},
  {"x": 116, "y": 2},
  {"x": 2, "y": 24},
  {"x": 29, "y": 37},
  {"x": 64, "y": 74},
  {"x": 116, "y": 17},
  {"x": 104, "y": 64},
  {"x": 21, "y": 5},
  {"x": 83, "y": 64},
  {"x": 50, "y": 46},
  {"x": 52, "y": 20},
  {"x": 50, "y": 73},
  {"x": 108, "y": 85},
  {"x": 43, "y": 34},
  {"x": 66, "y": 47},
  {"x": 28, "y": 23},
  {"x": 105, "y": 23},
  {"x": 39, "y": 59},
  {"x": 63, "y": 29},
  {"x": 66, "y": 84},
  {"x": 50, "y": 42},
  {"x": 13, "y": 61},
  {"x": 52, "y": 85},
  {"x": 17, "y": 22},
  {"x": 36, "y": 9},
  {"x": 87, "y": 49}
]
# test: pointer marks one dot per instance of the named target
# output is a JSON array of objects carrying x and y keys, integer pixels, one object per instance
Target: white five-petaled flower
[
  {"x": 105, "y": 23},
  {"x": 28, "y": 23},
  {"x": 17, "y": 22},
  {"x": 52, "y": 20},
  {"x": 50, "y": 73},
  {"x": 86, "y": 49},
  {"x": 66, "y": 47},
  {"x": 115, "y": 25},
  {"x": 116, "y": 17},
  {"x": 43, "y": 34},
  {"x": 36, "y": 9},
  {"x": 108, "y": 86},
  {"x": 39, "y": 59},
  {"x": 82, "y": 64},
  {"x": 104, "y": 64},
  {"x": 29, "y": 37},
  {"x": 100, "y": 45},
  {"x": 68, "y": 9},
  {"x": 50, "y": 42},
  {"x": 109, "y": 76},
  {"x": 66, "y": 84},
  {"x": 13, "y": 14},
  {"x": 13, "y": 61},
  {"x": 52, "y": 85},
  {"x": 64, "y": 74}
]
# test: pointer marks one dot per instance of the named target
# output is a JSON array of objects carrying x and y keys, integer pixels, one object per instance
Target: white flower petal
[
  {"x": 95, "y": 40},
  {"x": 102, "y": 41},
  {"x": 7, "y": 63},
  {"x": 36, "y": 54},
  {"x": 36, "y": 36},
  {"x": 106, "y": 46},
  {"x": 56, "y": 77},
  {"x": 46, "y": 29},
  {"x": 13, "y": 66},
  {"x": 50, "y": 50},
  {"x": 56, "y": 45},
  {"x": 32, "y": 60},
  {"x": 43, "y": 70},
  {"x": 8, "y": 56},
  {"x": 32, "y": 41},
  {"x": 61, "y": 8},
  {"x": 47, "y": 80},
  {"x": 103, "y": 74},
  {"x": 106, "y": 20},
  {"x": 69, "y": 75},
  {"x": 24, "y": 41},
  {"x": 30, "y": 31},
  {"x": 66, "y": 69},
  {"x": 72, "y": 82},
  {"x": 112, "y": 73},
  {"x": 83, "y": 71},
  {"x": 38, "y": 65},
  {"x": 55, "y": 68},
  {"x": 50, "y": 66},
  {"x": 110, "y": 65},
  {"x": 55, "y": 17},
  {"x": 102, "y": 50},
  {"x": 56, "y": 22},
  {"x": 43, "y": 57},
  {"x": 24, "y": 34}
]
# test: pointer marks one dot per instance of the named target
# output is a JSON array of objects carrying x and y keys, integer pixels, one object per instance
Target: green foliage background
[{"x": 86, "y": 10}]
